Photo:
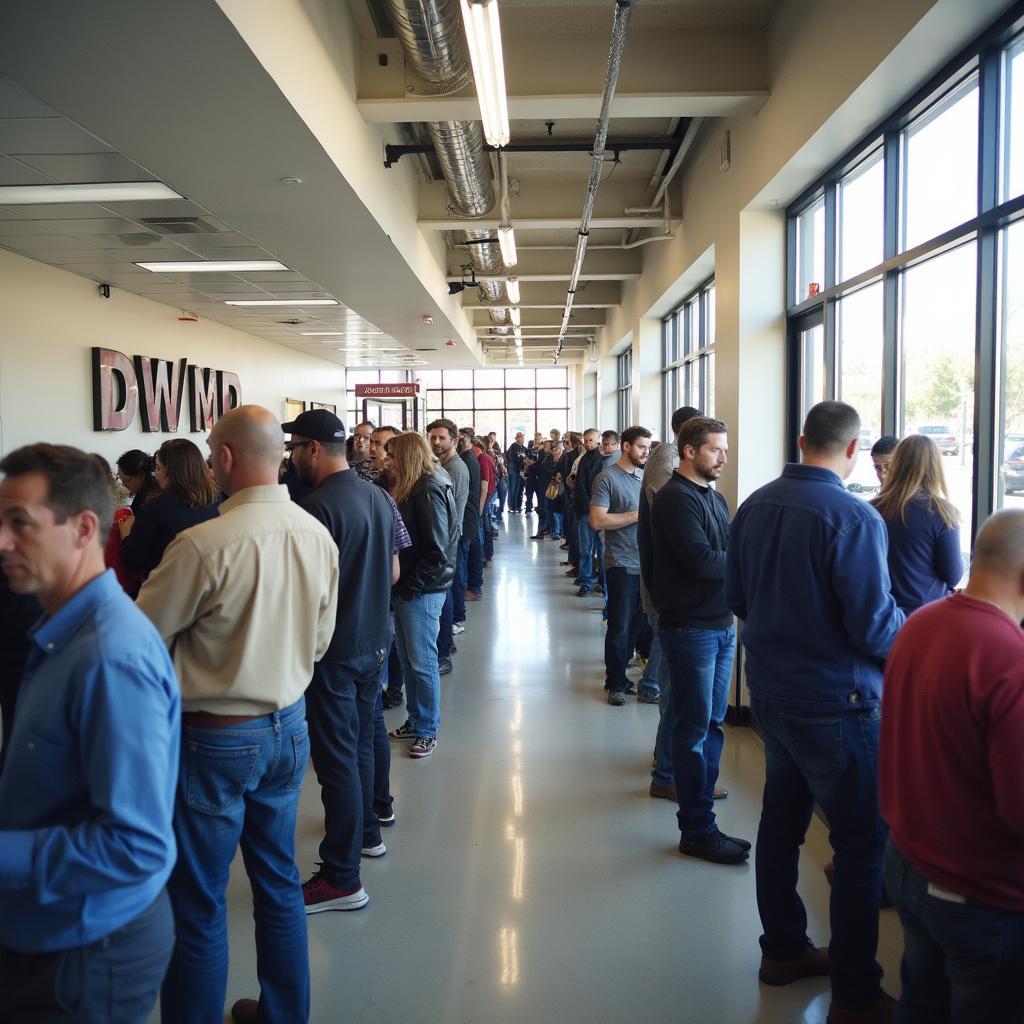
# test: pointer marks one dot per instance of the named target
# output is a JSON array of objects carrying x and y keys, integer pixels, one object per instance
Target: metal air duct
[{"x": 431, "y": 35}]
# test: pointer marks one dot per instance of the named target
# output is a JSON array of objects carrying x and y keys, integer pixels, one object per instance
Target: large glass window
[
  {"x": 624, "y": 389},
  {"x": 1010, "y": 450},
  {"x": 688, "y": 347},
  {"x": 922, "y": 327},
  {"x": 945, "y": 136}
]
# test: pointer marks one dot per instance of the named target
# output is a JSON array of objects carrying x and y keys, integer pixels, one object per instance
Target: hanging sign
[{"x": 387, "y": 390}]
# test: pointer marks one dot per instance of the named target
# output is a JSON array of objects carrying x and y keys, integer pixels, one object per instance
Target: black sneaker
[
  {"x": 444, "y": 666},
  {"x": 630, "y": 687},
  {"x": 583, "y": 591},
  {"x": 739, "y": 842},
  {"x": 713, "y": 846},
  {"x": 616, "y": 698},
  {"x": 391, "y": 700}
]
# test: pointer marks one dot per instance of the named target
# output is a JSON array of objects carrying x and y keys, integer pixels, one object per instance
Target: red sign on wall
[{"x": 387, "y": 390}]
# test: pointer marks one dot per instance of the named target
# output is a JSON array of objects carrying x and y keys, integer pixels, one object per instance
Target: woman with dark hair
[
  {"x": 188, "y": 496},
  {"x": 925, "y": 562},
  {"x": 426, "y": 502},
  {"x": 135, "y": 471}
]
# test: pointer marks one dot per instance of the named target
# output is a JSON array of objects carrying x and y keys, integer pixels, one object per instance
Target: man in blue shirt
[
  {"x": 87, "y": 793},
  {"x": 807, "y": 575}
]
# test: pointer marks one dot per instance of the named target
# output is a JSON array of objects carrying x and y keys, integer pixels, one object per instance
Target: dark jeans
[
  {"x": 515, "y": 490},
  {"x": 501, "y": 496},
  {"x": 571, "y": 532},
  {"x": 700, "y": 666},
  {"x": 829, "y": 759},
  {"x": 461, "y": 581},
  {"x": 962, "y": 960},
  {"x": 382, "y": 798},
  {"x": 534, "y": 494},
  {"x": 239, "y": 785},
  {"x": 340, "y": 705},
  {"x": 625, "y": 619},
  {"x": 590, "y": 547},
  {"x": 475, "y": 563},
  {"x": 444, "y": 631},
  {"x": 486, "y": 539},
  {"x": 115, "y": 980},
  {"x": 393, "y": 677}
]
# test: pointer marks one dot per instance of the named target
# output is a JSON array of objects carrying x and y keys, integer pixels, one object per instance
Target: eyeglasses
[{"x": 290, "y": 446}]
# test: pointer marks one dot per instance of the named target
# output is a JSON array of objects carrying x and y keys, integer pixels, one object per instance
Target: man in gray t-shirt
[{"x": 614, "y": 505}]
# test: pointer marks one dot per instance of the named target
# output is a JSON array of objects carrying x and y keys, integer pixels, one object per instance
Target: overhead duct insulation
[{"x": 431, "y": 35}]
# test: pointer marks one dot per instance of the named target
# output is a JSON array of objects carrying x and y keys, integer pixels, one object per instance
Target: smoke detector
[{"x": 427, "y": 319}]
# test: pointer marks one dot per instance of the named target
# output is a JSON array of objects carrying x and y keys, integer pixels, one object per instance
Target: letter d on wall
[{"x": 115, "y": 393}]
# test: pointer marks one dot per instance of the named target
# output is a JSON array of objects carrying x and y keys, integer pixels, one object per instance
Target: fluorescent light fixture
[
  {"x": 512, "y": 289},
  {"x": 108, "y": 192},
  {"x": 507, "y": 241},
  {"x": 212, "y": 266},
  {"x": 280, "y": 302},
  {"x": 517, "y": 317},
  {"x": 483, "y": 33}
]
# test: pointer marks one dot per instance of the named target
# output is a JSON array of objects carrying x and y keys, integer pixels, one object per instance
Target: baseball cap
[{"x": 318, "y": 425}]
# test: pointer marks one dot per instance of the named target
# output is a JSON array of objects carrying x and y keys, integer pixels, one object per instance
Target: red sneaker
[{"x": 318, "y": 895}]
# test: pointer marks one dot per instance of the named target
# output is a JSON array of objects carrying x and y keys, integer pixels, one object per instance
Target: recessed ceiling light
[
  {"x": 211, "y": 266},
  {"x": 280, "y": 302},
  {"x": 109, "y": 192}
]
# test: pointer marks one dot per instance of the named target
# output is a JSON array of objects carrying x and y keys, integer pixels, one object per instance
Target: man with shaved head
[
  {"x": 952, "y": 789},
  {"x": 247, "y": 604}
]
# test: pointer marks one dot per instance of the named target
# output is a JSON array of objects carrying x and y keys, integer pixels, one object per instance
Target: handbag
[{"x": 554, "y": 491}]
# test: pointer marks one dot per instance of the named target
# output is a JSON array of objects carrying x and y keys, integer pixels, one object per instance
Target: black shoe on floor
[
  {"x": 444, "y": 666},
  {"x": 391, "y": 700},
  {"x": 713, "y": 846},
  {"x": 616, "y": 698},
  {"x": 583, "y": 591}
]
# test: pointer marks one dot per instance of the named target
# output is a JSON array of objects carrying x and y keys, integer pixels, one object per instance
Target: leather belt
[{"x": 208, "y": 720}]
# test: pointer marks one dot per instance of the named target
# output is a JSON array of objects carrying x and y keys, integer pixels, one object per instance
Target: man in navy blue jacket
[{"x": 807, "y": 575}]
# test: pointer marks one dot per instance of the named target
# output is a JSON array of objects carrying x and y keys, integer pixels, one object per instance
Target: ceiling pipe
[{"x": 620, "y": 29}]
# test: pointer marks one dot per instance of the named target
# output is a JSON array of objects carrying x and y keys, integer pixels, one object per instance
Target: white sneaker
[
  {"x": 458, "y": 627},
  {"x": 374, "y": 851}
]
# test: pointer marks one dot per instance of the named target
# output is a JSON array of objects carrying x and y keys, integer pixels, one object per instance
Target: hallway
[{"x": 530, "y": 877}]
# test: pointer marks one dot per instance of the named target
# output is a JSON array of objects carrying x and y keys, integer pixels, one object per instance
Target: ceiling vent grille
[{"x": 180, "y": 225}]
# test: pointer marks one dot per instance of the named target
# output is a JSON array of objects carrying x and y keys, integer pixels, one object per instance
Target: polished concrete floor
[{"x": 530, "y": 877}]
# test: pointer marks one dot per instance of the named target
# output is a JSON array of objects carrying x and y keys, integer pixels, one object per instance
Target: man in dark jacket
[
  {"x": 808, "y": 577},
  {"x": 470, "y": 583},
  {"x": 591, "y": 544},
  {"x": 515, "y": 456},
  {"x": 689, "y": 529}
]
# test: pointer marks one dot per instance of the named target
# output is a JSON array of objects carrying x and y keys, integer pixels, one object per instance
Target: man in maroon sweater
[{"x": 952, "y": 791}]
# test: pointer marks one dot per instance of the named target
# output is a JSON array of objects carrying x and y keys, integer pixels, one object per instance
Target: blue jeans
[
  {"x": 115, "y": 980},
  {"x": 461, "y": 581},
  {"x": 416, "y": 622},
  {"x": 829, "y": 759},
  {"x": 444, "y": 630},
  {"x": 515, "y": 489},
  {"x": 662, "y": 772},
  {"x": 500, "y": 496},
  {"x": 486, "y": 540},
  {"x": 650, "y": 681},
  {"x": 382, "y": 798},
  {"x": 589, "y": 542},
  {"x": 340, "y": 705},
  {"x": 962, "y": 961},
  {"x": 474, "y": 565},
  {"x": 239, "y": 785},
  {"x": 700, "y": 665},
  {"x": 625, "y": 619},
  {"x": 571, "y": 533}
]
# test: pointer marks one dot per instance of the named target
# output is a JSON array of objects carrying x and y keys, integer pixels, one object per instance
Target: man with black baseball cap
[{"x": 343, "y": 694}]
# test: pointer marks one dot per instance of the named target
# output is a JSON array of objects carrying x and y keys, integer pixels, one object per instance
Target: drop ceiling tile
[
  {"x": 217, "y": 240},
  {"x": 59, "y": 211},
  {"x": 18, "y": 102},
  {"x": 46, "y": 135},
  {"x": 261, "y": 277},
  {"x": 283, "y": 287},
  {"x": 42, "y": 243},
  {"x": 158, "y": 208},
  {"x": 85, "y": 226},
  {"x": 79, "y": 168},
  {"x": 14, "y": 173},
  {"x": 204, "y": 282}
]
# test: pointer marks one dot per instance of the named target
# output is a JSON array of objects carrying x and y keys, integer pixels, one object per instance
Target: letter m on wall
[{"x": 202, "y": 398}]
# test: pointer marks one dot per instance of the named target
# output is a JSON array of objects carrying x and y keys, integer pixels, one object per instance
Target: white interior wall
[{"x": 51, "y": 321}]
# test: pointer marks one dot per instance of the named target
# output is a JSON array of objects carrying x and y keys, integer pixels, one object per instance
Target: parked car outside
[
  {"x": 1013, "y": 471},
  {"x": 943, "y": 435}
]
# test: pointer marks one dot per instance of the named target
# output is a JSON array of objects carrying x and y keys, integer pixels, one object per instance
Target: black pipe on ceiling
[{"x": 394, "y": 153}]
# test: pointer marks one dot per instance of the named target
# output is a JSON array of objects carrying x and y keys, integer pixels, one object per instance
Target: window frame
[{"x": 686, "y": 353}]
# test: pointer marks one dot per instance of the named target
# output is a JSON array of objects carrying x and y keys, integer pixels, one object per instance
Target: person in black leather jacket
[{"x": 427, "y": 503}]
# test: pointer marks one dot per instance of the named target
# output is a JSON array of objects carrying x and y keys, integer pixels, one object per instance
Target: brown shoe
[
  {"x": 720, "y": 793},
  {"x": 661, "y": 792},
  {"x": 472, "y": 595},
  {"x": 245, "y": 1011},
  {"x": 811, "y": 963},
  {"x": 878, "y": 1012}
]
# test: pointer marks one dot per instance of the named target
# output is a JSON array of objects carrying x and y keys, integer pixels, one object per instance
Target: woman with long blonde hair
[
  {"x": 426, "y": 502},
  {"x": 925, "y": 562}
]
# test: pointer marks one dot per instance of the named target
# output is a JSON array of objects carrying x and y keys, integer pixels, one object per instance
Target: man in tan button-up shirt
[{"x": 247, "y": 602}]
